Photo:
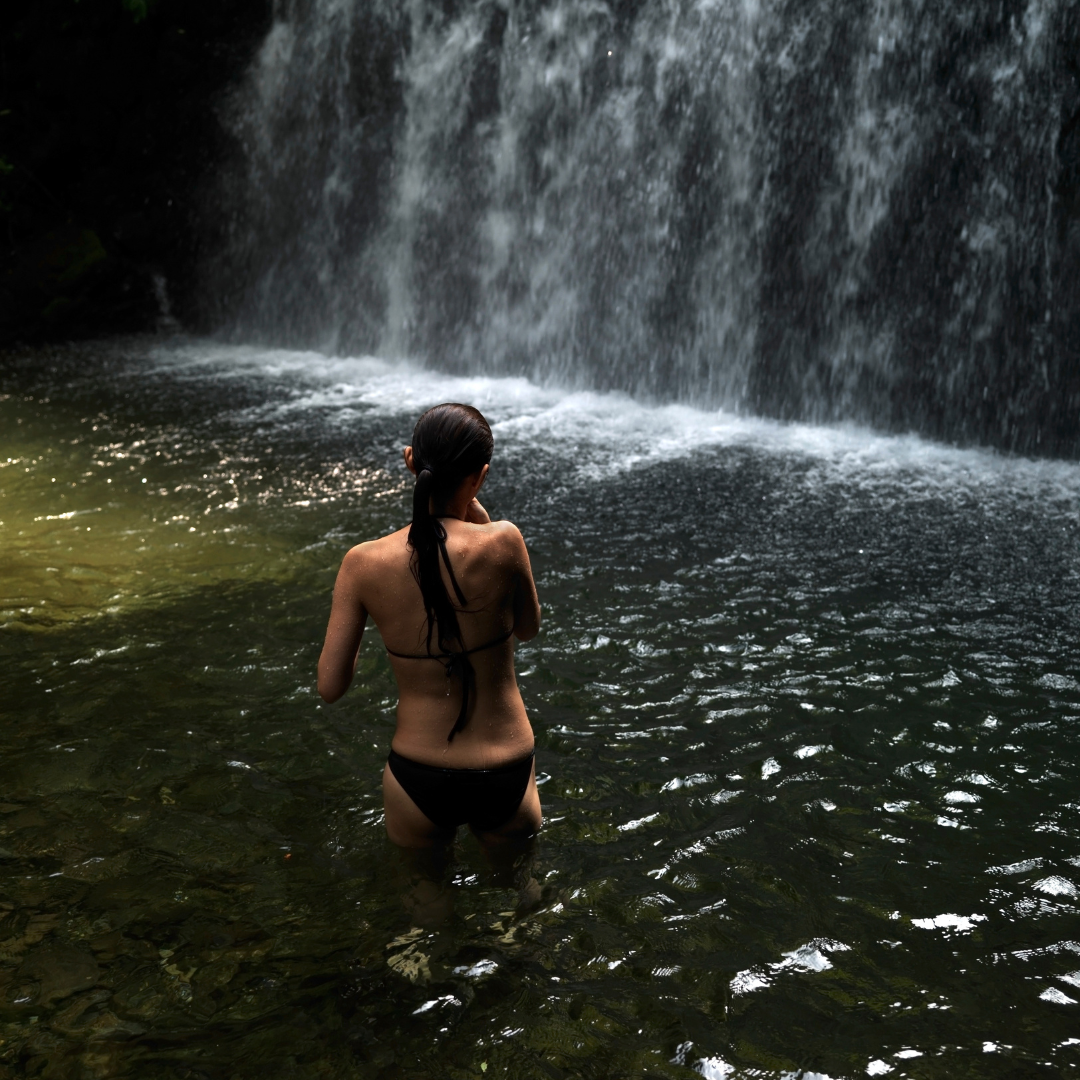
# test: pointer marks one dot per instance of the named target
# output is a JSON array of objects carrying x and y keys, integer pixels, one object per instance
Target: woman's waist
[
  {"x": 440, "y": 764},
  {"x": 492, "y": 702},
  {"x": 485, "y": 743}
]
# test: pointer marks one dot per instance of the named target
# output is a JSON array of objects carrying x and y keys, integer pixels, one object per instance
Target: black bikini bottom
[{"x": 483, "y": 798}]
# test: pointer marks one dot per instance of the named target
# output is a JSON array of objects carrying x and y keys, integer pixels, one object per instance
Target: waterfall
[{"x": 841, "y": 209}]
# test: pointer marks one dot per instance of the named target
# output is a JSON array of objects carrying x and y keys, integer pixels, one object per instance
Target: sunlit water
[{"x": 806, "y": 710}]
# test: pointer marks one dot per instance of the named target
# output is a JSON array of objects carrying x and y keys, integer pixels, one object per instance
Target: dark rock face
[
  {"x": 64, "y": 282},
  {"x": 107, "y": 130}
]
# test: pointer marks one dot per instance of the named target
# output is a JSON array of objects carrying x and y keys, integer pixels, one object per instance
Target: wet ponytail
[
  {"x": 450, "y": 442},
  {"x": 427, "y": 535}
]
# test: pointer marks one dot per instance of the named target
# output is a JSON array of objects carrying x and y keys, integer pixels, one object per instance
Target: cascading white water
[
  {"x": 567, "y": 204},
  {"x": 825, "y": 210}
]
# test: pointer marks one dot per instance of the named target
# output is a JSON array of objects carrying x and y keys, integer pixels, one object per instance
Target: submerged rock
[{"x": 60, "y": 971}]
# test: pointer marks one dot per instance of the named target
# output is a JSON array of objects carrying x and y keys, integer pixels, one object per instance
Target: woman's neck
[{"x": 456, "y": 507}]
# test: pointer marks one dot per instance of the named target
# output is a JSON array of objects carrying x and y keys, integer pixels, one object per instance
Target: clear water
[{"x": 805, "y": 699}]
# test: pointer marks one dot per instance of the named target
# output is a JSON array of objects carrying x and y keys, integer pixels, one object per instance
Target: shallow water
[{"x": 805, "y": 702}]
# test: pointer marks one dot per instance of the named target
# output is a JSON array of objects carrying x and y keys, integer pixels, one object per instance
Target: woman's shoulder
[
  {"x": 503, "y": 529},
  {"x": 376, "y": 553},
  {"x": 502, "y": 541},
  {"x": 500, "y": 533}
]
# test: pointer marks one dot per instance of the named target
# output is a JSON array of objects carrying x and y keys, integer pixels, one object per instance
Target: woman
[{"x": 447, "y": 594}]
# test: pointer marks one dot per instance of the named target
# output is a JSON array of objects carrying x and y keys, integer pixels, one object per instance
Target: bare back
[{"x": 492, "y": 568}]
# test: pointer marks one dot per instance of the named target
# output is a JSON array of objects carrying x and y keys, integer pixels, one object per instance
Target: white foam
[
  {"x": 602, "y": 434},
  {"x": 811, "y": 751},
  {"x": 714, "y": 1068},
  {"x": 962, "y": 924},
  {"x": 1056, "y": 886}
]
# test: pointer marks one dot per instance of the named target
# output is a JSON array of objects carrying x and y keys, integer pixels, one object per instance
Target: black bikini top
[
  {"x": 451, "y": 656},
  {"x": 456, "y": 662}
]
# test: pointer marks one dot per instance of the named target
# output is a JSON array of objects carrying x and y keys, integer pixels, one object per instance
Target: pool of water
[{"x": 806, "y": 706}]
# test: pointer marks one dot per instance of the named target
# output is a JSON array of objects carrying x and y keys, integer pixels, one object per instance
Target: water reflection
[{"x": 807, "y": 724}]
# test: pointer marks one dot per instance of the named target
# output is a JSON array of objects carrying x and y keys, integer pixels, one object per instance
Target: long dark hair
[{"x": 450, "y": 442}]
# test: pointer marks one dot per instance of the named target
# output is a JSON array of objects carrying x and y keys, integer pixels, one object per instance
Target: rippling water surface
[{"x": 806, "y": 707}]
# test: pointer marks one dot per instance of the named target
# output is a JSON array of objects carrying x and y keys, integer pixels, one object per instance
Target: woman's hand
[{"x": 477, "y": 514}]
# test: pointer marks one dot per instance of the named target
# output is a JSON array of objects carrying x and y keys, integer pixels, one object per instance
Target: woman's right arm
[{"x": 337, "y": 663}]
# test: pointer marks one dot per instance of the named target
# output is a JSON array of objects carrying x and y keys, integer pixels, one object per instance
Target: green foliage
[{"x": 138, "y": 8}]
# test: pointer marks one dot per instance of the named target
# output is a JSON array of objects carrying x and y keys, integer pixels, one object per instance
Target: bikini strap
[
  {"x": 458, "y": 652},
  {"x": 492, "y": 643}
]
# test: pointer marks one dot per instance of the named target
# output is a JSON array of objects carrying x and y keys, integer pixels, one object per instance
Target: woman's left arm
[
  {"x": 340, "y": 650},
  {"x": 476, "y": 514}
]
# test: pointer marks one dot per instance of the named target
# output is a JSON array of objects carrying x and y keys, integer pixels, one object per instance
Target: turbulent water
[
  {"x": 806, "y": 710},
  {"x": 844, "y": 209}
]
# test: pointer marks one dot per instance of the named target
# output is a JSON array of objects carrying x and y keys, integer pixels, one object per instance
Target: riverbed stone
[{"x": 60, "y": 971}]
